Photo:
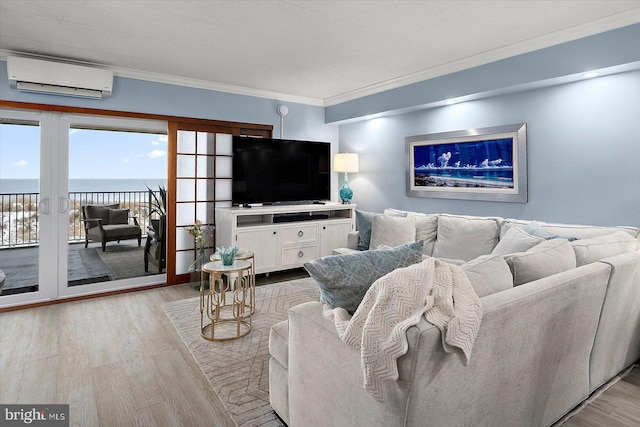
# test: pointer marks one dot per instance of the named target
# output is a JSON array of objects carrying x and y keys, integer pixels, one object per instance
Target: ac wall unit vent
[{"x": 56, "y": 78}]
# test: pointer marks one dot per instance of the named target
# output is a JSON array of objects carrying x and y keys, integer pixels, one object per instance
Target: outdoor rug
[
  {"x": 125, "y": 260},
  {"x": 238, "y": 370}
]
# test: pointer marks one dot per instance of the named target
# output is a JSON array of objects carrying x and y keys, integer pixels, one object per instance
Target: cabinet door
[
  {"x": 332, "y": 236},
  {"x": 265, "y": 245}
]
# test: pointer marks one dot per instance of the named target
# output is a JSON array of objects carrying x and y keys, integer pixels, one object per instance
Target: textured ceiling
[{"x": 317, "y": 51}]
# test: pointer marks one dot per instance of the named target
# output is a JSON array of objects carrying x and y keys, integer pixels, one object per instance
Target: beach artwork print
[
  {"x": 474, "y": 164},
  {"x": 477, "y": 164}
]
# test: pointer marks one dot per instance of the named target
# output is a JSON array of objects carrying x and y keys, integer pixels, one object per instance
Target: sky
[{"x": 93, "y": 154}]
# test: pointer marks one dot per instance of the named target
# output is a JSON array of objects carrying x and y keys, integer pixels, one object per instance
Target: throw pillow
[
  {"x": 344, "y": 279},
  {"x": 488, "y": 274},
  {"x": 600, "y": 247},
  {"x": 392, "y": 231},
  {"x": 363, "y": 225},
  {"x": 427, "y": 230},
  {"x": 100, "y": 212},
  {"x": 118, "y": 216},
  {"x": 515, "y": 240},
  {"x": 545, "y": 259},
  {"x": 465, "y": 237}
]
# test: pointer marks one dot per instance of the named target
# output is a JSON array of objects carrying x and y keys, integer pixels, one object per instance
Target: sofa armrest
[
  {"x": 352, "y": 239},
  {"x": 325, "y": 378}
]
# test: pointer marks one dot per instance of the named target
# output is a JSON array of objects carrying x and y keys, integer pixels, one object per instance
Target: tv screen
[{"x": 271, "y": 171}]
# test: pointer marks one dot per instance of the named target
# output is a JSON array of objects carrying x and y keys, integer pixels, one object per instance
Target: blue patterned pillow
[
  {"x": 363, "y": 225},
  {"x": 535, "y": 229},
  {"x": 344, "y": 279}
]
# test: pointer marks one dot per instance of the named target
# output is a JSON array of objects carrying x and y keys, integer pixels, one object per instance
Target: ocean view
[{"x": 13, "y": 186}]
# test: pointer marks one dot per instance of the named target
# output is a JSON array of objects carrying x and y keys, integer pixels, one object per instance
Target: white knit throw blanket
[{"x": 439, "y": 291}]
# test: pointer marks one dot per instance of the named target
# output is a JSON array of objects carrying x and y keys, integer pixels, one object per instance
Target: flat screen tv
[{"x": 274, "y": 171}]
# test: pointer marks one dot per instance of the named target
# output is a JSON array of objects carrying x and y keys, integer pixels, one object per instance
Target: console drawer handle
[
  {"x": 300, "y": 233},
  {"x": 300, "y": 254}
]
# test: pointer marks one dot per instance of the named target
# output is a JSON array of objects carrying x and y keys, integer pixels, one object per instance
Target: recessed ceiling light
[{"x": 590, "y": 74}]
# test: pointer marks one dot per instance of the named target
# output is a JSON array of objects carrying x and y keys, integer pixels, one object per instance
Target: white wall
[{"x": 583, "y": 152}]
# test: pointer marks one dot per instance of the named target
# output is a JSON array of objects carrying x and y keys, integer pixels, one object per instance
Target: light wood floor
[{"x": 118, "y": 361}]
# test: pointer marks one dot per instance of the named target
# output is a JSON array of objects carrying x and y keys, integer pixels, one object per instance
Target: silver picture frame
[{"x": 487, "y": 164}]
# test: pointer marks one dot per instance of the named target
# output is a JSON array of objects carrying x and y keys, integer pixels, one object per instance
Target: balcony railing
[{"x": 20, "y": 216}]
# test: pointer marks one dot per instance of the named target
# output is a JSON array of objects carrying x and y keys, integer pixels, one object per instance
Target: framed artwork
[{"x": 475, "y": 164}]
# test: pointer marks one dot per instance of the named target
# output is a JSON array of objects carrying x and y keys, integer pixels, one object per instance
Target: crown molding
[
  {"x": 559, "y": 37},
  {"x": 178, "y": 81},
  {"x": 220, "y": 87}
]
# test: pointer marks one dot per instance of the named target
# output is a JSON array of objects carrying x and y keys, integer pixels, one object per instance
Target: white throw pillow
[
  {"x": 392, "y": 231},
  {"x": 488, "y": 274},
  {"x": 516, "y": 240},
  {"x": 465, "y": 237},
  {"x": 427, "y": 231},
  {"x": 600, "y": 247},
  {"x": 545, "y": 259}
]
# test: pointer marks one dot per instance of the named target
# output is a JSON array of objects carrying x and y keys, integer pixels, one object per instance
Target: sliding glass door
[
  {"x": 110, "y": 173},
  {"x": 52, "y": 167}
]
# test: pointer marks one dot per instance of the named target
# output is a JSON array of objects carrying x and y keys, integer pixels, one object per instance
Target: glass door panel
[
  {"x": 112, "y": 227},
  {"x": 19, "y": 200},
  {"x": 25, "y": 208}
]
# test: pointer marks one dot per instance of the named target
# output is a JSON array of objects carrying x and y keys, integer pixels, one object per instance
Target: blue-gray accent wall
[
  {"x": 304, "y": 122},
  {"x": 583, "y": 143},
  {"x": 614, "y": 50},
  {"x": 140, "y": 96}
]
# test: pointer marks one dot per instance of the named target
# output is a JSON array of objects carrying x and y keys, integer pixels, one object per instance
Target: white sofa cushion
[
  {"x": 575, "y": 230},
  {"x": 426, "y": 227},
  {"x": 545, "y": 259},
  {"x": 516, "y": 240},
  {"x": 488, "y": 274},
  {"x": 605, "y": 246},
  {"x": 465, "y": 237},
  {"x": 392, "y": 231}
]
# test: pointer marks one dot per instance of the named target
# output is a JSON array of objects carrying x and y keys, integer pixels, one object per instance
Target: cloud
[
  {"x": 20, "y": 163},
  {"x": 126, "y": 160},
  {"x": 162, "y": 139},
  {"x": 154, "y": 154}
]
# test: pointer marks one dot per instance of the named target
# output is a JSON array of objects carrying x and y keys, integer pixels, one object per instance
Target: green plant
[{"x": 158, "y": 204}]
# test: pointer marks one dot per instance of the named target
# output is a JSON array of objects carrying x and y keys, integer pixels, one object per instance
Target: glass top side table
[
  {"x": 244, "y": 256},
  {"x": 221, "y": 320}
]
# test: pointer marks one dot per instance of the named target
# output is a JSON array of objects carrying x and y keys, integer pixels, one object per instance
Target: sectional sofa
[{"x": 567, "y": 322}]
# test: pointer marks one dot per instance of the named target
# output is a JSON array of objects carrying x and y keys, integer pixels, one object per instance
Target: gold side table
[
  {"x": 236, "y": 321},
  {"x": 244, "y": 256}
]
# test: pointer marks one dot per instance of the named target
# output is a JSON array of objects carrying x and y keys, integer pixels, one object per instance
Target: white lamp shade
[{"x": 345, "y": 162}]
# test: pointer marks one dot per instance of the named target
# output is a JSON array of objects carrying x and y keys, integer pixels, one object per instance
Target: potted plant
[{"x": 157, "y": 205}]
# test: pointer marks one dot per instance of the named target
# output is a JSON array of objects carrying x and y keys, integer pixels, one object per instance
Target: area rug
[{"x": 238, "y": 370}]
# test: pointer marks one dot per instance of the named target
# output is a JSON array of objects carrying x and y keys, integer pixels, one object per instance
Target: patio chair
[
  {"x": 109, "y": 223},
  {"x": 155, "y": 247}
]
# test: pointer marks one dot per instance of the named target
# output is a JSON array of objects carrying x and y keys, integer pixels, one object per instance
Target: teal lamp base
[{"x": 346, "y": 193}]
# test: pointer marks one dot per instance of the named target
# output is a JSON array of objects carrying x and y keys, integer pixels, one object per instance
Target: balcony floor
[{"x": 91, "y": 265}]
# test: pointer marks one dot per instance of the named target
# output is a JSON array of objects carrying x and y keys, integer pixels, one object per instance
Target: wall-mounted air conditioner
[{"x": 57, "y": 78}]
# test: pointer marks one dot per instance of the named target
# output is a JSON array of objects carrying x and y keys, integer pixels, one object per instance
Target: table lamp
[{"x": 345, "y": 162}]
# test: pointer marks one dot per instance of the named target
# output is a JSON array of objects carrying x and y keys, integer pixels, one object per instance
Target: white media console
[{"x": 284, "y": 237}]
